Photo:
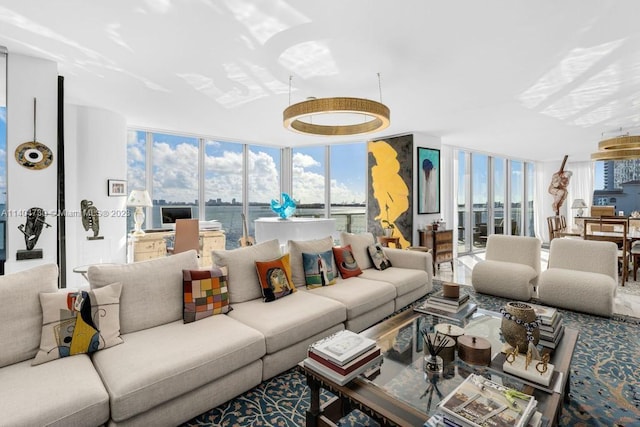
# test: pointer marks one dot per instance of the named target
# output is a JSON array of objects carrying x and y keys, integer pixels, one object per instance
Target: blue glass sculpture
[{"x": 286, "y": 209}]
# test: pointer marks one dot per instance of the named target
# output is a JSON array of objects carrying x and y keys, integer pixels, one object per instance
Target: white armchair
[
  {"x": 582, "y": 276},
  {"x": 510, "y": 269}
]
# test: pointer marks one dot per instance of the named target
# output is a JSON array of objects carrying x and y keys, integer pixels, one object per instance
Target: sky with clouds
[{"x": 175, "y": 170}]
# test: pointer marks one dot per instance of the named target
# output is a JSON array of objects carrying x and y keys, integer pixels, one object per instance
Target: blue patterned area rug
[{"x": 605, "y": 381}]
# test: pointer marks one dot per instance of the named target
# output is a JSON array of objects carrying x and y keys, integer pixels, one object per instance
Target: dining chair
[
  {"x": 187, "y": 236},
  {"x": 611, "y": 229}
]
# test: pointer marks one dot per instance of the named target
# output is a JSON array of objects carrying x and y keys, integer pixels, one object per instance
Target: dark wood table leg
[{"x": 314, "y": 411}]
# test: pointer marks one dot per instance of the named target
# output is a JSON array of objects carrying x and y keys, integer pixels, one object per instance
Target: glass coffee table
[{"x": 403, "y": 394}]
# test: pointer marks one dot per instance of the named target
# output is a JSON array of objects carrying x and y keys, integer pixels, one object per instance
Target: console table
[
  {"x": 153, "y": 245},
  {"x": 441, "y": 244},
  {"x": 293, "y": 229}
]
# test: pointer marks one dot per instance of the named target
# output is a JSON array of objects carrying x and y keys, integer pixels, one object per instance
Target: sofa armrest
[{"x": 417, "y": 260}]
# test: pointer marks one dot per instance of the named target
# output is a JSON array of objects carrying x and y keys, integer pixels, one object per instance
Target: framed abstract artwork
[{"x": 428, "y": 180}]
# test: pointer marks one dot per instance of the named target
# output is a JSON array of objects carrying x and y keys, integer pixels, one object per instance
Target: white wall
[
  {"x": 30, "y": 78},
  {"x": 95, "y": 151}
]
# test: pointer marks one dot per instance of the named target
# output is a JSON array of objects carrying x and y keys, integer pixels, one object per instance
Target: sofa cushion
[
  {"x": 347, "y": 265},
  {"x": 297, "y": 248},
  {"x": 155, "y": 365},
  {"x": 379, "y": 260},
  {"x": 204, "y": 293},
  {"x": 359, "y": 244},
  {"x": 65, "y": 392},
  {"x": 290, "y": 320},
  {"x": 79, "y": 322},
  {"x": 275, "y": 278},
  {"x": 21, "y": 315},
  {"x": 405, "y": 280},
  {"x": 319, "y": 269},
  {"x": 358, "y": 294},
  {"x": 151, "y": 290},
  {"x": 241, "y": 264}
]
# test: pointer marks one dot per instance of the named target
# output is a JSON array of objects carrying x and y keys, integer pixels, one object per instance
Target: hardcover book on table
[
  {"x": 349, "y": 367},
  {"x": 332, "y": 375},
  {"x": 342, "y": 347},
  {"x": 439, "y": 297},
  {"x": 457, "y": 317}
]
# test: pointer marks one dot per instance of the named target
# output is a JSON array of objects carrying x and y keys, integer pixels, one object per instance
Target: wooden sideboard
[
  {"x": 441, "y": 244},
  {"x": 154, "y": 245}
]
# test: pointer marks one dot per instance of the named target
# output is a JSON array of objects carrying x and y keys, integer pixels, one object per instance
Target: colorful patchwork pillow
[
  {"x": 275, "y": 278},
  {"x": 319, "y": 269},
  {"x": 378, "y": 257},
  {"x": 347, "y": 264},
  {"x": 79, "y": 322},
  {"x": 205, "y": 293}
]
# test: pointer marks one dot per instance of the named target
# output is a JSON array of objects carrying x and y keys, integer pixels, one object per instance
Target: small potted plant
[{"x": 388, "y": 228}]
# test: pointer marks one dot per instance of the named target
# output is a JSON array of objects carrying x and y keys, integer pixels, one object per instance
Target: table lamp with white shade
[
  {"x": 579, "y": 204},
  {"x": 139, "y": 199}
]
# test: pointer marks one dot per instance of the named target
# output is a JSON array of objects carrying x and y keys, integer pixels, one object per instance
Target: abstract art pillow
[
  {"x": 347, "y": 265},
  {"x": 205, "y": 293},
  {"x": 319, "y": 269},
  {"x": 275, "y": 278},
  {"x": 79, "y": 322},
  {"x": 378, "y": 257}
]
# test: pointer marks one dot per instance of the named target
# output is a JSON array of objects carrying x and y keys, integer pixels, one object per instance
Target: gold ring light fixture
[
  {"x": 623, "y": 147},
  {"x": 299, "y": 117}
]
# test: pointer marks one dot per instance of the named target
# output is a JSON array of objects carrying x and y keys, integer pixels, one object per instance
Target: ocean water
[{"x": 349, "y": 218}]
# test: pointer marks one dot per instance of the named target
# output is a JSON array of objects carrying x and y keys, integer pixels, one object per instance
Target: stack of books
[
  {"x": 551, "y": 327},
  {"x": 343, "y": 356},
  {"x": 447, "y": 307},
  {"x": 479, "y": 401}
]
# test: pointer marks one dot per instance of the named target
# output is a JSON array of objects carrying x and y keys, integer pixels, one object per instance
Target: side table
[{"x": 384, "y": 241}]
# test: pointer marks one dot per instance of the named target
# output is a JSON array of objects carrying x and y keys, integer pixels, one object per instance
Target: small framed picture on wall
[
  {"x": 428, "y": 180},
  {"x": 116, "y": 187}
]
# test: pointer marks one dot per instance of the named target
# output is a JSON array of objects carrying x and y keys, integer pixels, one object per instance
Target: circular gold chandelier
[
  {"x": 297, "y": 117},
  {"x": 624, "y": 147}
]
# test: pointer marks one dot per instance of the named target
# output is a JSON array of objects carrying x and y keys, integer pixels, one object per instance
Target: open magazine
[{"x": 481, "y": 402}]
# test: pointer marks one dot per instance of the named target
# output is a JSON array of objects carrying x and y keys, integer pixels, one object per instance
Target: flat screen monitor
[{"x": 169, "y": 215}]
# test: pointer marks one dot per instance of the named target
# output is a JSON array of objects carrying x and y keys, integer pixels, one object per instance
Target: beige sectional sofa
[{"x": 166, "y": 372}]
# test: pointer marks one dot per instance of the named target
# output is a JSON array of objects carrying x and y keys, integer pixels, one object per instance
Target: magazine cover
[{"x": 481, "y": 402}]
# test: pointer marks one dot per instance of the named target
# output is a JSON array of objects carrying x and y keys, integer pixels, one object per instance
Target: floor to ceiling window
[
  {"x": 223, "y": 186},
  {"x": 217, "y": 182},
  {"x": 517, "y": 197},
  {"x": 463, "y": 206},
  {"x": 498, "y": 189},
  {"x": 174, "y": 173},
  {"x": 308, "y": 180},
  {"x": 499, "y": 182},
  {"x": 348, "y": 186},
  {"x": 136, "y": 167},
  {"x": 479, "y": 199},
  {"x": 264, "y": 175}
]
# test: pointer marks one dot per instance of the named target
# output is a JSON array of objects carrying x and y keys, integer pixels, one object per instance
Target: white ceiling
[{"x": 533, "y": 80}]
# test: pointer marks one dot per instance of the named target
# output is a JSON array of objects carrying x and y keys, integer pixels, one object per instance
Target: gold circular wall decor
[
  {"x": 625, "y": 147},
  {"x": 34, "y": 155},
  {"x": 377, "y": 114}
]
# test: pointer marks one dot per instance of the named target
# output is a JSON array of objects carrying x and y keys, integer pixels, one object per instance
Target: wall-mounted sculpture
[
  {"x": 31, "y": 230},
  {"x": 90, "y": 219}
]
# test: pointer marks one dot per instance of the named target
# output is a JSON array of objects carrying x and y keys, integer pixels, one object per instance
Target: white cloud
[{"x": 303, "y": 161}]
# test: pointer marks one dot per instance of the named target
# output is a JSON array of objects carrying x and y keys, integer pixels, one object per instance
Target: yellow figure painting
[{"x": 389, "y": 189}]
